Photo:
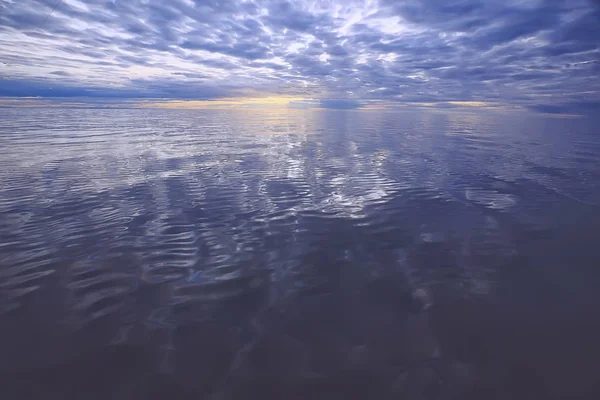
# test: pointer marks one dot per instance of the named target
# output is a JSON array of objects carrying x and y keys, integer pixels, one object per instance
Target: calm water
[{"x": 171, "y": 232}]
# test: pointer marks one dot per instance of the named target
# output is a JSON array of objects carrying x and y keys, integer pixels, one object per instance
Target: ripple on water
[
  {"x": 97, "y": 289},
  {"x": 161, "y": 218},
  {"x": 491, "y": 199},
  {"x": 26, "y": 271}
]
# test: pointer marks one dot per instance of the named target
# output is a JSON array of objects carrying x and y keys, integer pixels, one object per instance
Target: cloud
[
  {"x": 537, "y": 54},
  {"x": 247, "y": 50},
  {"x": 141, "y": 88},
  {"x": 60, "y": 73}
]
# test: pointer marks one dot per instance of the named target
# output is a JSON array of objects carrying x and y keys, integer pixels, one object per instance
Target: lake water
[{"x": 164, "y": 246}]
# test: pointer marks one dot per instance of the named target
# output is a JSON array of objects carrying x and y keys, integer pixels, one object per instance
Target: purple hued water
[{"x": 298, "y": 254}]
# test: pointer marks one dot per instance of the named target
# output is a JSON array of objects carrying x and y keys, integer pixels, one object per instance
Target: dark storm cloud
[{"x": 540, "y": 54}]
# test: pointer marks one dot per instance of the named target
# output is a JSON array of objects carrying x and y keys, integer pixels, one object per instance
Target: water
[{"x": 168, "y": 230}]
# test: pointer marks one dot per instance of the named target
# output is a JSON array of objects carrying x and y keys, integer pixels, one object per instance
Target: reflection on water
[{"x": 172, "y": 229}]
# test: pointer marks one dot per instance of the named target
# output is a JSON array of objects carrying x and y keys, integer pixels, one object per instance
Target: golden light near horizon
[
  {"x": 285, "y": 101},
  {"x": 268, "y": 101}
]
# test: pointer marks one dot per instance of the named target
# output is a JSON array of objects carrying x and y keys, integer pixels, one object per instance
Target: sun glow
[{"x": 269, "y": 101}]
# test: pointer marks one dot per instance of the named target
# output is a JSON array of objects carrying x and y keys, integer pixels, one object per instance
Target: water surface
[{"x": 126, "y": 226}]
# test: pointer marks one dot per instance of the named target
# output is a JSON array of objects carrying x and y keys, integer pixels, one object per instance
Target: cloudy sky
[{"x": 538, "y": 54}]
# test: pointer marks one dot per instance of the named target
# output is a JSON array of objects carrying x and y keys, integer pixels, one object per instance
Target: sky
[{"x": 541, "y": 55}]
